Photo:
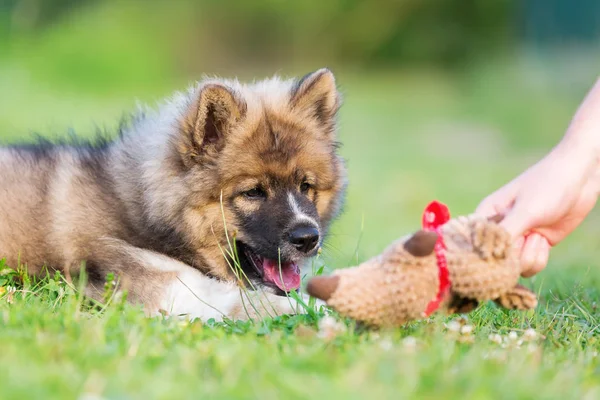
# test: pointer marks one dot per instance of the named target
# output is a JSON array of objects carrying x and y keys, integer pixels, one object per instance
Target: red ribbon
[{"x": 435, "y": 215}]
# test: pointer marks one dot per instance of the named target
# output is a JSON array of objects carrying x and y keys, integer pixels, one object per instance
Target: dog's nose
[{"x": 304, "y": 238}]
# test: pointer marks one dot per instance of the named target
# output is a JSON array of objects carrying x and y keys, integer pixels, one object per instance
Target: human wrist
[
  {"x": 579, "y": 155},
  {"x": 582, "y": 138}
]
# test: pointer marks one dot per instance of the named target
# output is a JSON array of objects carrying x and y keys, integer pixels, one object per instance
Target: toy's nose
[{"x": 322, "y": 287}]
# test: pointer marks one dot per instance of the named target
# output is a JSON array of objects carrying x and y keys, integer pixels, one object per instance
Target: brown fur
[{"x": 171, "y": 186}]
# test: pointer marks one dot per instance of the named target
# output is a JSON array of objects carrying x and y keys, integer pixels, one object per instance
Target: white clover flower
[
  {"x": 530, "y": 334},
  {"x": 496, "y": 338},
  {"x": 453, "y": 326},
  {"x": 466, "y": 329}
]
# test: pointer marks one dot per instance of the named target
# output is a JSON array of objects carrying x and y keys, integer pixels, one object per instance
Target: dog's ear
[
  {"x": 209, "y": 120},
  {"x": 317, "y": 94}
]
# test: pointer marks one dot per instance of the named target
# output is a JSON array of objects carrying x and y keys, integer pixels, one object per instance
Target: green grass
[
  {"x": 54, "y": 347},
  {"x": 409, "y": 137}
]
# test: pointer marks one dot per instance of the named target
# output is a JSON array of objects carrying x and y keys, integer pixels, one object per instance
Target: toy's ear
[
  {"x": 322, "y": 287},
  {"x": 421, "y": 244}
]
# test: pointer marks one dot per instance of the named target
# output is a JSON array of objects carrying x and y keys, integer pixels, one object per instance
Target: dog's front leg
[
  {"x": 165, "y": 285},
  {"x": 195, "y": 295}
]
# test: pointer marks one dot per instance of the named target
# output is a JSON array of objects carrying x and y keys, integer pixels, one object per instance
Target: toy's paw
[
  {"x": 490, "y": 240},
  {"x": 518, "y": 298}
]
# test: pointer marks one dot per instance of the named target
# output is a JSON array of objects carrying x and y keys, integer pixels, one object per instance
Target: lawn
[{"x": 408, "y": 137}]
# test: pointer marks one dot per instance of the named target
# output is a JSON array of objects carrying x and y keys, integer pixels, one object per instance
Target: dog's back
[
  {"x": 55, "y": 201},
  {"x": 24, "y": 181}
]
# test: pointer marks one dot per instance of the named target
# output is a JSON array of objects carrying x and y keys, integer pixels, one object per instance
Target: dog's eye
[
  {"x": 255, "y": 193},
  {"x": 304, "y": 187}
]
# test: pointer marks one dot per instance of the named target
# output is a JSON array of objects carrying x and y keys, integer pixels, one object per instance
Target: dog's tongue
[{"x": 287, "y": 279}]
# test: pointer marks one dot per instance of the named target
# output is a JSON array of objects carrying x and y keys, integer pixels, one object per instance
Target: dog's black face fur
[
  {"x": 275, "y": 229},
  {"x": 285, "y": 226}
]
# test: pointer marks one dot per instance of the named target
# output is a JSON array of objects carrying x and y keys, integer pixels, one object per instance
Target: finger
[
  {"x": 542, "y": 256},
  {"x": 529, "y": 251}
]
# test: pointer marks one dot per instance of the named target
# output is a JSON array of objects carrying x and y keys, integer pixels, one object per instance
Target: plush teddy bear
[{"x": 451, "y": 264}]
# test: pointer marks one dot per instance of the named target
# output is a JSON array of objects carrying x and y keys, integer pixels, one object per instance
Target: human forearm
[{"x": 582, "y": 139}]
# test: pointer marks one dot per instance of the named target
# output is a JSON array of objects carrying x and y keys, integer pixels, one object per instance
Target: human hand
[
  {"x": 549, "y": 200},
  {"x": 544, "y": 204}
]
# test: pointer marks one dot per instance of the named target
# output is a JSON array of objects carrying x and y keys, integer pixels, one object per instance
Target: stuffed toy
[{"x": 450, "y": 264}]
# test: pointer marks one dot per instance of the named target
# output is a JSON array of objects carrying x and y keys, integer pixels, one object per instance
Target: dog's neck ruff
[{"x": 435, "y": 215}]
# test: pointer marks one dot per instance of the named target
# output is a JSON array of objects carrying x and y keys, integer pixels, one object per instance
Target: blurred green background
[{"x": 444, "y": 99}]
